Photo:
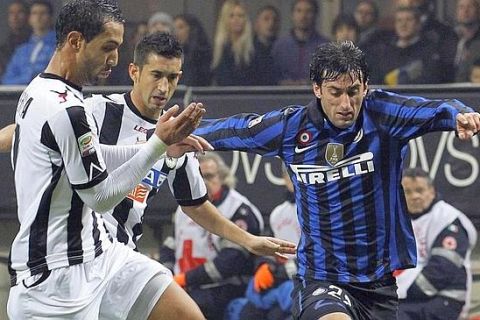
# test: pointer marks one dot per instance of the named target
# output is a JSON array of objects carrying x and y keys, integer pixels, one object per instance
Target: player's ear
[
  {"x": 365, "y": 91},
  {"x": 317, "y": 90},
  {"x": 134, "y": 72},
  {"x": 75, "y": 40}
]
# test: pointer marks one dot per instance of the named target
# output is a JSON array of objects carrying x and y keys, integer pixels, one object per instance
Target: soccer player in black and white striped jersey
[
  {"x": 128, "y": 118},
  {"x": 72, "y": 175}
]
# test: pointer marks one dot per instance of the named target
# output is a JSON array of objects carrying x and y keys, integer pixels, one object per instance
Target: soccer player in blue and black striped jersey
[{"x": 344, "y": 152}]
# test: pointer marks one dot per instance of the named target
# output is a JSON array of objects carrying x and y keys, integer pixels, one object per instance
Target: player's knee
[{"x": 175, "y": 304}]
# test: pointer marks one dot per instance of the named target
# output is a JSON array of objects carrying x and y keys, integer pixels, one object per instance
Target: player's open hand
[
  {"x": 189, "y": 144},
  {"x": 267, "y": 246},
  {"x": 468, "y": 124},
  {"x": 172, "y": 129}
]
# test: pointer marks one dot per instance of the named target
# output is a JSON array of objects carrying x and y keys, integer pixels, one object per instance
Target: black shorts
[{"x": 313, "y": 299}]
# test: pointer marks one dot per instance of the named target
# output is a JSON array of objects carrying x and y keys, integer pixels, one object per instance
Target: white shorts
[{"x": 105, "y": 288}]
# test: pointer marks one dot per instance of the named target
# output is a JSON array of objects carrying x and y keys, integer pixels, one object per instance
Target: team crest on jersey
[
  {"x": 61, "y": 95},
  {"x": 304, "y": 137},
  {"x": 334, "y": 153},
  {"x": 139, "y": 194},
  {"x": 255, "y": 121},
  {"x": 85, "y": 144}
]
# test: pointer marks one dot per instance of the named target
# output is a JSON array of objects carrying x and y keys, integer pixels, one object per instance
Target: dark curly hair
[
  {"x": 160, "y": 43},
  {"x": 332, "y": 60},
  {"x": 87, "y": 17}
]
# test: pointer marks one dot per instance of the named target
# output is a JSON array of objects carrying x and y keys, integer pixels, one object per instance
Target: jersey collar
[
  {"x": 46, "y": 75},
  {"x": 129, "y": 102}
]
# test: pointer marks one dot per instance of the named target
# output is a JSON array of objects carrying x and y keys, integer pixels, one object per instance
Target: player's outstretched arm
[
  {"x": 468, "y": 124},
  {"x": 207, "y": 216},
  {"x": 109, "y": 192}
]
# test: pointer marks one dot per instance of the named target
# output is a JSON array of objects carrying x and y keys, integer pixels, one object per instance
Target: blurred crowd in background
[{"x": 247, "y": 48}]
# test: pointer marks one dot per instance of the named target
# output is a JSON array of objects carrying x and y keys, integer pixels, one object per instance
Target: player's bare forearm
[
  {"x": 207, "y": 216},
  {"x": 6, "y": 136}
]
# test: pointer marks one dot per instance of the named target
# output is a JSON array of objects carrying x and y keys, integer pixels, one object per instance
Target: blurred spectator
[
  {"x": 468, "y": 31},
  {"x": 197, "y": 51},
  {"x": 119, "y": 75},
  {"x": 267, "y": 26},
  {"x": 32, "y": 57},
  {"x": 345, "y": 28},
  {"x": 268, "y": 293},
  {"x": 411, "y": 59},
  {"x": 366, "y": 15},
  {"x": 18, "y": 31},
  {"x": 213, "y": 270},
  {"x": 160, "y": 22},
  {"x": 441, "y": 35},
  {"x": 439, "y": 286},
  {"x": 292, "y": 52},
  {"x": 475, "y": 72},
  {"x": 233, "y": 48}
]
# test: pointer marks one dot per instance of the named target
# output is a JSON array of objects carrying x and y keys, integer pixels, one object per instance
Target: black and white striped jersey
[
  {"x": 56, "y": 151},
  {"x": 120, "y": 123}
]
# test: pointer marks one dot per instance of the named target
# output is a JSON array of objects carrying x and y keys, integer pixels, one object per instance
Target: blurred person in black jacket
[{"x": 197, "y": 51}]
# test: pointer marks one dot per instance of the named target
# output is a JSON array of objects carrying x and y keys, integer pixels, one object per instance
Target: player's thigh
[
  {"x": 175, "y": 304},
  {"x": 133, "y": 279},
  {"x": 320, "y": 300},
  {"x": 63, "y": 293}
]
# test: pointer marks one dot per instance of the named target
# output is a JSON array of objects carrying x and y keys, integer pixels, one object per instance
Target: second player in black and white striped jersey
[{"x": 121, "y": 123}]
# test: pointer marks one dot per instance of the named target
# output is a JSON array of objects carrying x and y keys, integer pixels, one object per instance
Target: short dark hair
[
  {"x": 44, "y": 3},
  {"x": 345, "y": 20},
  {"x": 87, "y": 17},
  {"x": 160, "y": 43},
  {"x": 417, "y": 173},
  {"x": 416, "y": 13},
  {"x": 372, "y": 5},
  {"x": 268, "y": 7},
  {"x": 313, "y": 3},
  {"x": 333, "y": 59}
]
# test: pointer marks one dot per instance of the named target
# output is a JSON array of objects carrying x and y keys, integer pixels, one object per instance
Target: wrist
[{"x": 157, "y": 145}]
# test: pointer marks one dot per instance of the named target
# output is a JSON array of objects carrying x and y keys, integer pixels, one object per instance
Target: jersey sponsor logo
[
  {"x": 85, "y": 144},
  {"x": 140, "y": 129},
  {"x": 354, "y": 166},
  {"x": 300, "y": 149},
  {"x": 359, "y": 136},
  {"x": 139, "y": 193},
  {"x": 255, "y": 121},
  {"x": 334, "y": 153},
  {"x": 154, "y": 178}
]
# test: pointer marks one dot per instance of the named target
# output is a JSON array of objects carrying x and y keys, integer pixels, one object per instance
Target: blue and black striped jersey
[{"x": 350, "y": 203}]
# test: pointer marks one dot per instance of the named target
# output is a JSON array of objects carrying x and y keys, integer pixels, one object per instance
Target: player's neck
[
  {"x": 141, "y": 107},
  {"x": 63, "y": 65}
]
